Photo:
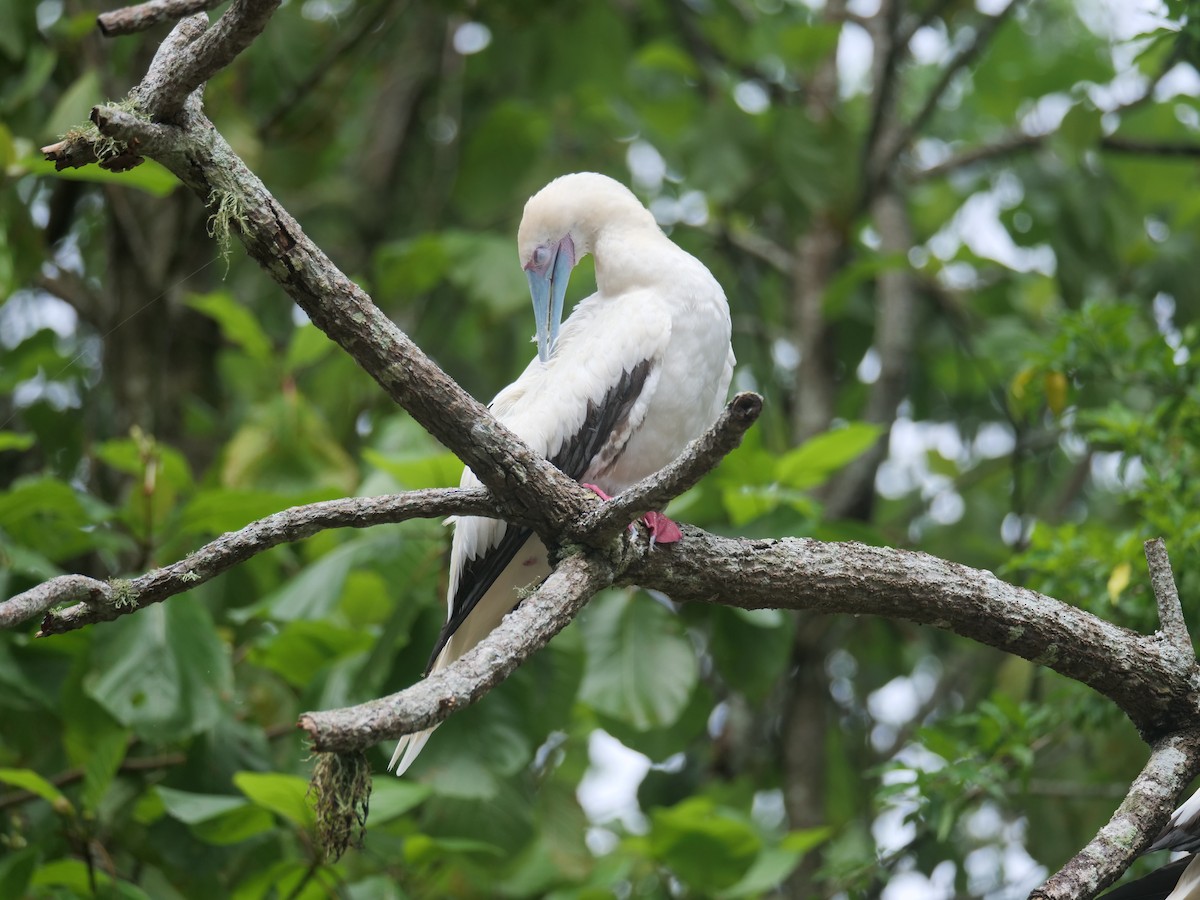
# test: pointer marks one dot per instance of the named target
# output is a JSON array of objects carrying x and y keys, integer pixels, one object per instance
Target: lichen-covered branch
[
  {"x": 543, "y": 614},
  {"x": 103, "y": 602},
  {"x": 1174, "y": 762}
]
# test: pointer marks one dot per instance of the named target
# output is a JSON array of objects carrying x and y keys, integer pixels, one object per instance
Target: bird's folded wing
[{"x": 594, "y": 422}]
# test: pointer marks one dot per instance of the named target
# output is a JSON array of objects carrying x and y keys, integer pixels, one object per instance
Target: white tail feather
[{"x": 408, "y": 747}]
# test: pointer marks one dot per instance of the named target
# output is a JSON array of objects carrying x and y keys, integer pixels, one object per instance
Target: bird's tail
[
  {"x": 409, "y": 747},
  {"x": 407, "y": 750}
]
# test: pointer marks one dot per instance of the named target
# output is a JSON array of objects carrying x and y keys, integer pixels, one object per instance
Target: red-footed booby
[
  {"x": 1178, "y": 880},
  {"x": 640, "y": 368}
]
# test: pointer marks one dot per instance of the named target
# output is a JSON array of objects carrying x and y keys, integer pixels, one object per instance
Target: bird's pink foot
[
  {"x": 662, "y": 530},
  {"x": 597, "y": 491}
]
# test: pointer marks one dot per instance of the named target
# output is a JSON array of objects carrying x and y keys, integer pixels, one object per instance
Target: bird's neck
[{"x": 631, "y": 258}]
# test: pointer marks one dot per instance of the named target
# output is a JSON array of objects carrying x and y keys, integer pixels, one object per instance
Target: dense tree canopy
[{"x": 960, "y": 246}]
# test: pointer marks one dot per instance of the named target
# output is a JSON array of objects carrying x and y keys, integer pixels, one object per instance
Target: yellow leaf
[
  {"x": 1118, "y": 581},
  {"x": 1020, "y": 382},
  {"x": 1056, "y": 392}
]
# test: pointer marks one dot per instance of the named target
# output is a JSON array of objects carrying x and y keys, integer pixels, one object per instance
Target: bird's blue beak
[{"x": 548, "y": 287}]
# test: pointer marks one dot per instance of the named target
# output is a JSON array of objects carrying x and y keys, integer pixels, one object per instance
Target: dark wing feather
[
  {"x": 1155, "y": 886},
  {"x": 601, "y": 423}
]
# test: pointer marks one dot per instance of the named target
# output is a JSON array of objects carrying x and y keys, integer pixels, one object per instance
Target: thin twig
[
  {"x": 110, "y": 601},
  {"x": 36, "y": 600},
  {"x": 699, "y": 458},
  {"x": 964, "y": 58},
  {"x": 1001, "y": 149},
  {"x": 1166, "y": 595},
  {"x": 1116, "y": 144},
  {"x": 212, "y": 51},
  {"x": 132, "y": 19}
]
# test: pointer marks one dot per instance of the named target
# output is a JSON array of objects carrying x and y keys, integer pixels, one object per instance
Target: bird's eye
[{"x": 540, "y": 257}]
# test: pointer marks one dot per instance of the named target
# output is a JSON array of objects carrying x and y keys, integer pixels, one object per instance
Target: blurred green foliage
[{"x": 150, "y": 400}]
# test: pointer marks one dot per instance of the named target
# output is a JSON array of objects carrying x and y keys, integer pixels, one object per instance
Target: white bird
[
  {"x": 640, "y": 368},
  {"x": 1178, "y": 880}
]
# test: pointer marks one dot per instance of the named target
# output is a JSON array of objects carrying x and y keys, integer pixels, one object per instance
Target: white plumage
[{"x": 639, "y": 369}]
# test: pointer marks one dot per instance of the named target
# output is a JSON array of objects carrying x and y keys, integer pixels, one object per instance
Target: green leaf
[
  {"x": 28, "y": 780},
  {"x": 238, "y": 325},
  {"x": 751, "y": 653},
  {"x": 284, "y": 795},
  {"x": 421, "y": 471},
  {"x": 162, "y": 672},
  {"x": 95, "y": 742},
  {"x": 302, "y": 648},
  {"x": 74, "y": 105},
  {"x": 392, "y": 797},
  {"x": 49, "y": 516},
  {"x": 16, "y": 870},
  {"x": 816, "y": 459},
  {"x": 485, "y": 267},
  {"x": 192, "y": 808},
  {"x": 218, "y": 819},
  {"x": 770, "y": 869},
  {"x": 149, "y": 177},
  {"x": 315, "y": 591},
  {"x": 309, "y": 345},
  {"x": 218, "y": 510},
  {"x": 640, "y": 666},
  {"x": 13, "y": 440},
  {"x": 704, "y": 847}
]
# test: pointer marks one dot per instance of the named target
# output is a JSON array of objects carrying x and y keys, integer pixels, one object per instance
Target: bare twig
[
  {"x": 105, "y": 602},
  {"x": 1174, "y": 762},
  {"x": 524, "y": 631},
  {"x": 1001, "y": 149},
  {"x": 212, "y": 51},
  {"x": 762, "y": 247},
  {"x": 699, "y": 458},
  {"x": 36, "y": 600},
  {"x": 1115, "y": 144},
  {"x": 964, "y": 58},
  {"x": 1166, "y": 595},
  {"x": 146, "y": 15}
]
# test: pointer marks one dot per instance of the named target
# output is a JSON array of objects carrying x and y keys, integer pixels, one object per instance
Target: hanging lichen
[{"x": 341, "y": 789}]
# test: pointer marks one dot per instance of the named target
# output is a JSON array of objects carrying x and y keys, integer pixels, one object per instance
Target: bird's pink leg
[{"x": 662, "y": 530}]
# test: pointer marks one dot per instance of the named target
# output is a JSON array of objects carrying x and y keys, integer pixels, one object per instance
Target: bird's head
[{"x": 560, "y": 226}]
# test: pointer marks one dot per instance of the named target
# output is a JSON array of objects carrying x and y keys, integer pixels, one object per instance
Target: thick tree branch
[
  {"x": 698, "y": 458},
  {"x": 146, "y": 15},
  {"x": 1174, "y": 762},
  {"x": 529, "y": 486},
  {"x": 1151, "y": 685},
  {"x": 543, "y": 614},
  {"x": 103, "y": 602}
]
